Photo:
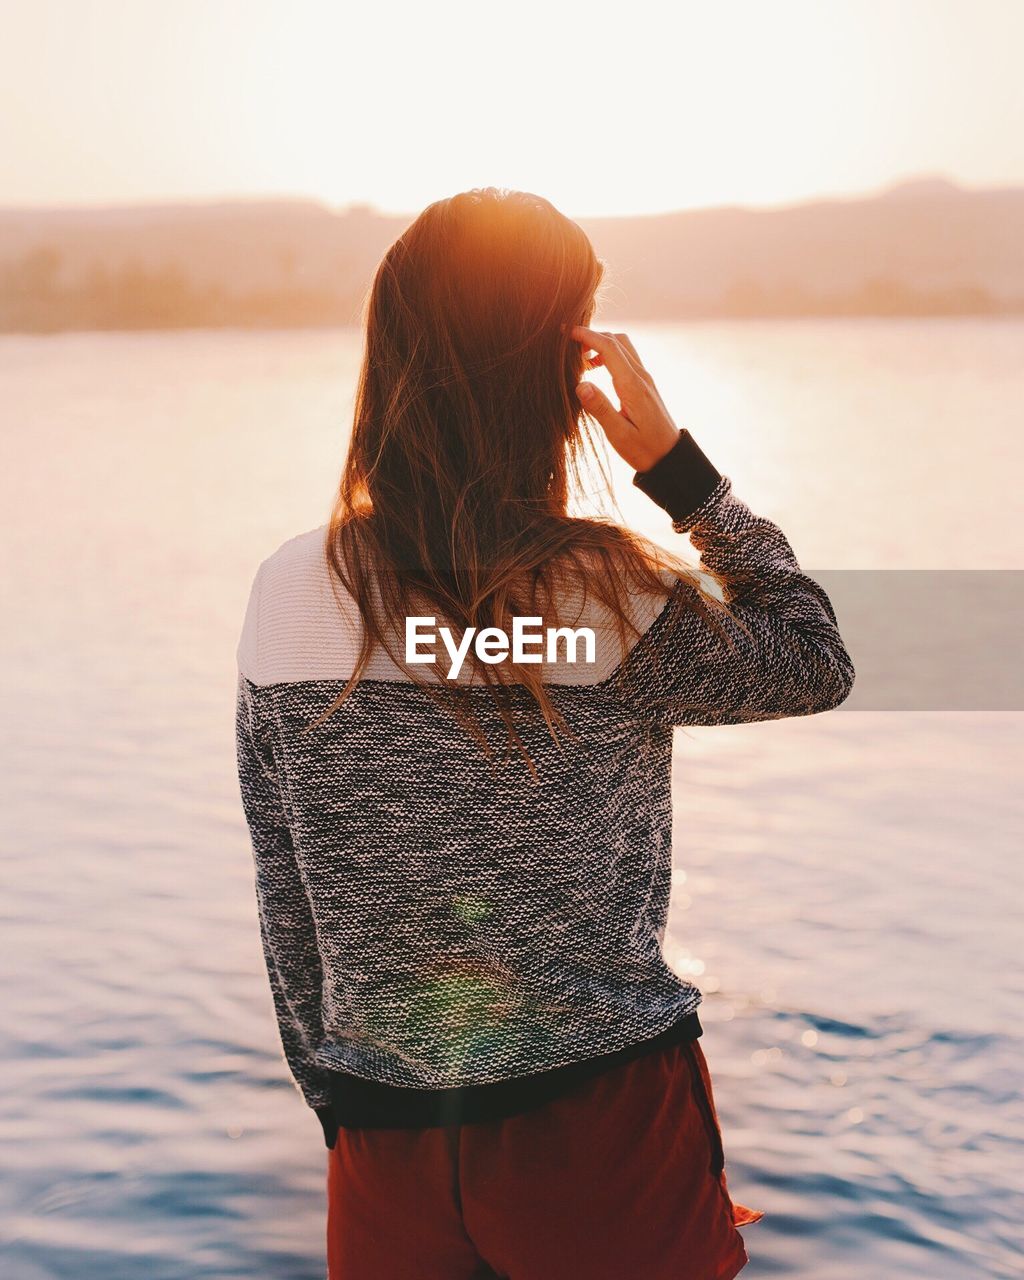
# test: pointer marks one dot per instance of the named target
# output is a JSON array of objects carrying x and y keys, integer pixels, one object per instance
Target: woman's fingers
[
  {"x": 625, "y": 343},
  {"x": 591, "y": 359},
  {"x": 613, "y": 355},
  {"x": 620, "y": 431},
  {"x": 641, "y": 428},
  {"x": 624, "y": 340}
]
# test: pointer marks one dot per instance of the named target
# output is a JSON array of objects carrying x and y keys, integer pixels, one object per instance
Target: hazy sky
[{"x": 636, "y": 106}]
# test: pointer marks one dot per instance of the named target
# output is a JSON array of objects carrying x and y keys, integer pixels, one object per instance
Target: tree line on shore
[{"x": 36, "y": 298}]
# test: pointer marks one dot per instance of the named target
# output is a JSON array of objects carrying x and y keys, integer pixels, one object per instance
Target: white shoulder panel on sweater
[
  {"x": 301, "y": 624},
  {"x": 295, "y": 627}
]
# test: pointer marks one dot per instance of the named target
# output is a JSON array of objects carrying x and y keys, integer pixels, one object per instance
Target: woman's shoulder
[
  {"x": 617, "y": 565},
  {"x": 295, "y": 556},
  {"x": 300, "y": 623}
]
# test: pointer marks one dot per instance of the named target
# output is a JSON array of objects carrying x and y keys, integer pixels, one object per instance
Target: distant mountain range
[{"x": 923, "y": 247}]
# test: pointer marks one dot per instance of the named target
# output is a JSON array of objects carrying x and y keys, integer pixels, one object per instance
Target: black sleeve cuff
[
  {"x": 682, "y": 480},
  {"x": 329, "y": 1125}
]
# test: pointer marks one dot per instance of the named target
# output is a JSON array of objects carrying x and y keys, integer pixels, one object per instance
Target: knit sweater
[{"x": 430, "y": 923}]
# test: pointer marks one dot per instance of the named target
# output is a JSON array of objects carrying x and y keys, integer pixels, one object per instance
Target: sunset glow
[{"x": 603, "y": 108}]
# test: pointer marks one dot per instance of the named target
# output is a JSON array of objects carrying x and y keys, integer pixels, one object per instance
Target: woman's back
[{"x": 436, "y": 917}]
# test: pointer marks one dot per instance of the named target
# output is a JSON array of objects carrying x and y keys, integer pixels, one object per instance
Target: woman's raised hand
[{"x": 640, "y": 430}]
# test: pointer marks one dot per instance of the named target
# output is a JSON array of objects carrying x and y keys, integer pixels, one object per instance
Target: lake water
[{"x": 848, "y": 890}]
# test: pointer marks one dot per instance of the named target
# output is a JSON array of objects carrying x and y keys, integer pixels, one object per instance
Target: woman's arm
[
  {"x": 777, "y": 651},
  {"x": 287, "y": 930}
]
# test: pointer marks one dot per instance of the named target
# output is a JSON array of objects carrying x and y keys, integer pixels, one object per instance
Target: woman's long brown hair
[{"x": 466, "y": 439}]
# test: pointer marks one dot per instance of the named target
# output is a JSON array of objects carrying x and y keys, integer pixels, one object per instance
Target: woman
[{"x": 463, "y": 882}]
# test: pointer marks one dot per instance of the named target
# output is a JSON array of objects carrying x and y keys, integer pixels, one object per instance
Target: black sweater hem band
[{"x": 357, "y": 1103}]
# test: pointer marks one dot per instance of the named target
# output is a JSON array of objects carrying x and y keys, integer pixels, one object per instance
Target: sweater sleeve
[
  {"x": 287, "y": 930},
  {"x": 773, "y": 651}
]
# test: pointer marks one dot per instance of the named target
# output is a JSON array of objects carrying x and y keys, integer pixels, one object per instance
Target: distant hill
[{"x": 923, "y": 247}]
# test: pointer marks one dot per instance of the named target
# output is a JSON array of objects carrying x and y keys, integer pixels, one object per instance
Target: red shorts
[{"x": 621, "y": 1177}]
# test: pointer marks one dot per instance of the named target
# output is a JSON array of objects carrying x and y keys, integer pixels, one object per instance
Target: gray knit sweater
[{"x": 428, "y": 921}]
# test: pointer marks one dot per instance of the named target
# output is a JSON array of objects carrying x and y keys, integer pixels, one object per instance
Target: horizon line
[{"x": 937, "y": 181}]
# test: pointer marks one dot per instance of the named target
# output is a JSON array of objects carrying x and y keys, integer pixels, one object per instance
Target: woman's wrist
[{"x": 655, "y": 450}]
